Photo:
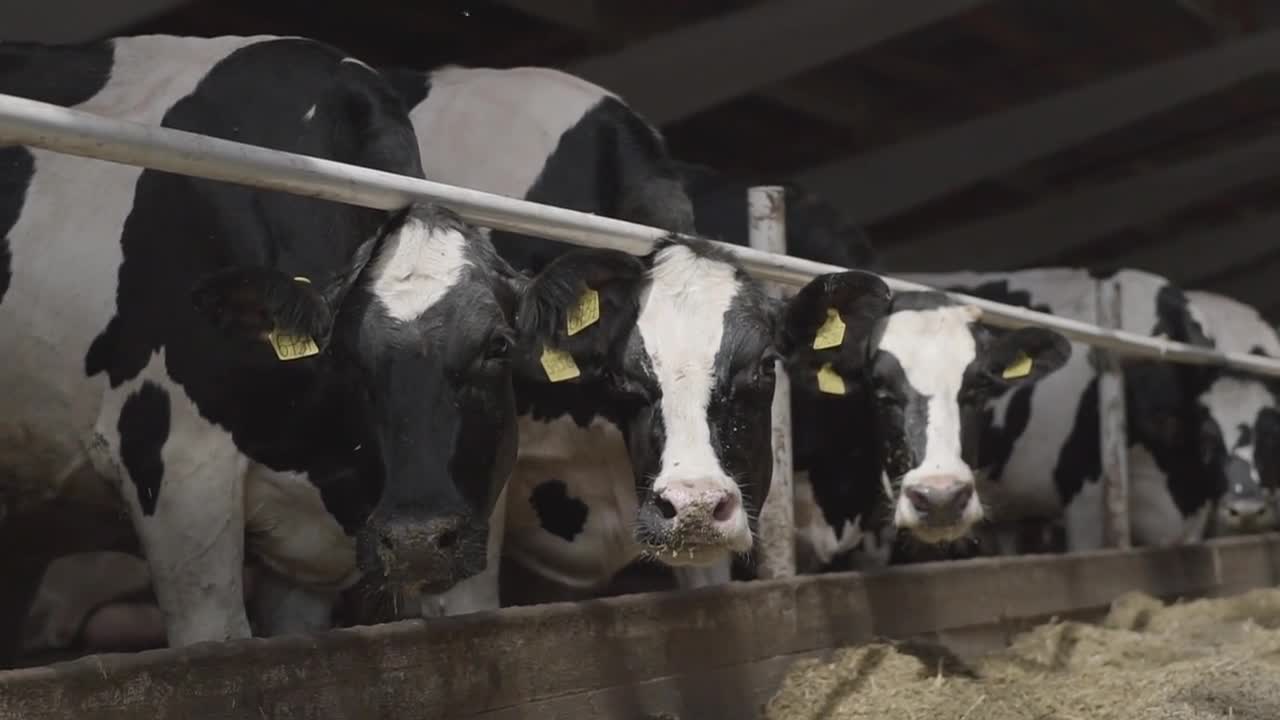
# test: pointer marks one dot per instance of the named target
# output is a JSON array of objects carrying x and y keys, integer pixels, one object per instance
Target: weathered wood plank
[{"x": 677, "y": 653}]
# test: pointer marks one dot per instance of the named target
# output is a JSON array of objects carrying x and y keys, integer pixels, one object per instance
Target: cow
[
  {"x": 1238, "y": 427},
  {"x": 177, "y": 345},
  {"x": 1039, "y": 443},
  {"x": 895, "y": 455}
]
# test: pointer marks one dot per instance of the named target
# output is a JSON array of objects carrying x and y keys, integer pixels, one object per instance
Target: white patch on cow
[
  {"x": 934, "y": 347},
  {"x": 593, "y": 464},
  {"x": 813, "y": 533},
  {"x": 416, "y": 267},
  {"x": 493, "y": 129},
  {"x": 310, "y": 114},
  {"x": 682, "y": 322}
]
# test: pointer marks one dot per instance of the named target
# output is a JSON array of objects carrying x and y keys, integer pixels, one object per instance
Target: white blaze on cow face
[
  {"x": 682, "y": 323},
  {"x": 935, "y": 498},
  {"x": 417, "y": 268},
  {"x": 1229, "y": 441}
]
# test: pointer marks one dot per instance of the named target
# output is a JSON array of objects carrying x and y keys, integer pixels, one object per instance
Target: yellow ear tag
[
  {"x": 559, "y": 365},
  {"x": 585, "y": 313},
  {"x": 829, "y": 381},
  {"x": 292, "y": 347},
  {"x": 831, "y": 334},
  {"x": 1020, "y": 367}
]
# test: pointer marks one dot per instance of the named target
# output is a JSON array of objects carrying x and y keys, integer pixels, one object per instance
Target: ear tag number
[
  {"x": 585, "y": 313},
  {"x": 829, "y": 381},
  {"x": 1020, "y": 367},
  {"x": 831, "y": 334},
  {"x": 559, "y": 365},
  {"x": 292, "y": 347}
]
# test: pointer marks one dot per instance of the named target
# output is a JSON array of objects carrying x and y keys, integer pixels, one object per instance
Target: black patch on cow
[
  {"x": 1174, "y": 319},
  {"x": 17, "y": 166},
  {"x": 1079, "y": 460},
  {"x": 59, "y": 74},
  {"x": 67, "y": 75},
  {"x": 1246, "y": 436},
  {"x": 413, "y": 86},
  {"x": 996, "y": 444},
  {"x": 998, "y": 291},
  {"x": 144, "y": 428},
  {"x": 559, "y": 514},
  {"x": 902, "y": 414},
  {"x": 611, "y": 163}
]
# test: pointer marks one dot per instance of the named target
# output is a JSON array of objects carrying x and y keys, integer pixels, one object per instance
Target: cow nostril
[
  {"x": 447, "y": 540},
  {"x": 962, "y": 497},
  {"x": 1233, "y": 512},
  {"x": 665, "y": 508},
  {"x": 724, "y": 508},
  {"x": 919, "y": 498},
  {"x": 385, "y": 542}
]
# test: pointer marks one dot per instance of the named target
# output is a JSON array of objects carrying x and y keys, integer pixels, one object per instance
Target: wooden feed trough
[{"x": 709, "y": 653}]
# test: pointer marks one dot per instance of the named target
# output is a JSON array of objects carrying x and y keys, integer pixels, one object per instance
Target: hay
[{"x": 1144, "y": 661}]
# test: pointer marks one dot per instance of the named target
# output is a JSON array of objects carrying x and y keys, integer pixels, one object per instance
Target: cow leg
[
  {"x": 479, "y": 592},
  {"x": 184, "y": 491},
  {"x": 718, "y": 573}
]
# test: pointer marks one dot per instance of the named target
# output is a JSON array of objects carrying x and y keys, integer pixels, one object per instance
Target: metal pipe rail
[{"x": 74, "y": 132}]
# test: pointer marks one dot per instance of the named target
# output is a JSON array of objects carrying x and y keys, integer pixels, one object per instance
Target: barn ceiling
[{"x": 965, "y": 134}]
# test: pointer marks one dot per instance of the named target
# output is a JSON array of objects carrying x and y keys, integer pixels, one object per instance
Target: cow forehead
[
  {"x": 683, "y": 311},
  {"x": 417, "y": 267},
  {"x": 932, "y": 346},
  {"x": 1234, "y": 403}
]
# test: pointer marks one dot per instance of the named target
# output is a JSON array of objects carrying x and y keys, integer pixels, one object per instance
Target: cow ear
[
  {"x": 571, "y": 315},
  {"x": 264, "y": 304},
  {"x": 825, "y": 329},
  {"x": 1025, "y": 355}
]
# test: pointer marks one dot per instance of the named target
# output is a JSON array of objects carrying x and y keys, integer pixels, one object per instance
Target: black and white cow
[
  {"x": 180, "y": 339},
  {"x": 917, "y": 386},
  {"x": 1238, "y": 421},
  {"x": 543, "y": 135},
  {"x": 1039, "y": 444}
]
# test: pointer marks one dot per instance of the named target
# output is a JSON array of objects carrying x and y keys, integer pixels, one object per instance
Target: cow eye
[{"x": 499, "y": 347}]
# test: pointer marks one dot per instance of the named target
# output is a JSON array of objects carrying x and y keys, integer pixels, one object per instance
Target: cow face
[
  {"x": 928, "y": 369},
  {"x": 1238, "y": 440},
  {"x": 681, "y": 355},
  {"x": 417, "y": 325}
]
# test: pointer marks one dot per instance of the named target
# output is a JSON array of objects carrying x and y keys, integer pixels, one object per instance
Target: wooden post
[
  {"x": 776, "y": 548},
  {"x": 1112, "y": 425}
]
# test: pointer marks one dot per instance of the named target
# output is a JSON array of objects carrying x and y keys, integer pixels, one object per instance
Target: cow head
[
  {"x": 928, "y": 369},
  {"x": 417, "y": 322},
  {"x": 679, "y": 350},
  {"x": 1238, "y": 441}
]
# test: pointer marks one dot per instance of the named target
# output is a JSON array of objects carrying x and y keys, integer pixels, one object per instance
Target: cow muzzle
[
  {"x": 427, "y": 555},
  {"x": 938, "y": 508},
  {"x": 694, "y": 521}
]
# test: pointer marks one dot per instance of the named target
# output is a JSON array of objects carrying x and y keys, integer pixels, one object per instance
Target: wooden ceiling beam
[
  {"x": 1058, "y": 225},
  {"x": 881, "y": 183}
]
